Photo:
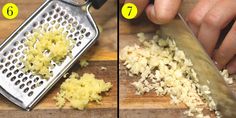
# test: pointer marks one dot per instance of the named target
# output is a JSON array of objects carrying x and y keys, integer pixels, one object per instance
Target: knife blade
[{"x": 208, "y": 73}]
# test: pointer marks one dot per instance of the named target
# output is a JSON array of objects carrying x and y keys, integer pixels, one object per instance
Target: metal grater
[{"x": 25, "y": 90}]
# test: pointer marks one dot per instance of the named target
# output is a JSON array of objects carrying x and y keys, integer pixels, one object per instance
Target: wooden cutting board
[
  {"x": 148, "y": 105},
  {"x": 103, "y": 53}
]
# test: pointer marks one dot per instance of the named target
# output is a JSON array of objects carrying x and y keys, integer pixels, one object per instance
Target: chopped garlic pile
[
  {"x": 78, "y": 92},
  {"x": 45, "y": 45},
  {"x": 227, "y": 78},
  {"x": 166, "y": 70},
  {"x": 83, "y": 63}
]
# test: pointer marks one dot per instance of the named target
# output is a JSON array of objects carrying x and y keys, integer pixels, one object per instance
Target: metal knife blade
[{"x": 203, "y": 65}]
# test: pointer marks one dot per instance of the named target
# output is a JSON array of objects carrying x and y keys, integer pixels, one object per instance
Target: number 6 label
[
  {"x": 10, "y": 11},
  {"x": 129, "y": 11}
]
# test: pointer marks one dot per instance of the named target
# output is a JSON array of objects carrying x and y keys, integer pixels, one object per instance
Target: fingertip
[
  {"x": 156, "y": 16},
  {"x": 231, "y": 67},
  {"x": 217, "y": 59}
]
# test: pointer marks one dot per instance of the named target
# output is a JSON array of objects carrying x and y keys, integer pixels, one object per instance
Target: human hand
[
  {"x": 207, "y": 19},
  {"x": 161, "y": 12}
]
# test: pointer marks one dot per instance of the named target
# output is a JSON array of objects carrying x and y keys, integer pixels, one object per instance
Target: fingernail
[{"x": 153, "y": 14}]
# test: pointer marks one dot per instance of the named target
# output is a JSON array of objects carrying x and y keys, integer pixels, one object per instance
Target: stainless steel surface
[
  {"x": 203, "y": 65},
  {"x": 17, "y": 86}
]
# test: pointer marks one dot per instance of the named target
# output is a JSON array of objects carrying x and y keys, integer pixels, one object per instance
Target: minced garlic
[
  {"x": 227, "y": 78},
  {"x": 78, "y": 92},
  {"x": 45, "y": 45},
  {"x": 166, "y": 70},
  {"x": 103, "y": 68},
  {"x": 83, "y": 63}
]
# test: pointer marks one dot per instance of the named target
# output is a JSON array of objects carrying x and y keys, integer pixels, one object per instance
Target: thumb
[{"x": 163, "y": 11}]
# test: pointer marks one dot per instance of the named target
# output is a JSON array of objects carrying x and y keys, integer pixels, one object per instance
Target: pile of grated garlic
[
  {"x": 46, "y": 44},
  {"x": 80, "y": 91},
  {"x": 166, "y": 70}
]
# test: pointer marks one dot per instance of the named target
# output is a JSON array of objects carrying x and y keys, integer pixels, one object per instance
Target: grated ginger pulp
[
  {"x": 78, "y": 92},
  {"x": 45, "y": 45}
]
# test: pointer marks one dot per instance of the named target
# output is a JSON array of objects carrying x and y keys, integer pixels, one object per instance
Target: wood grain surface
[
  {"x": 103, "y": 53},
  {"x": 148, "y": 105}
]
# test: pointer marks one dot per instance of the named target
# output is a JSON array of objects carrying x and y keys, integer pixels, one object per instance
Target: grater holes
[
  {"x": 12, "y": 67},
  {"x": 30, "y": 93},
  {"x": 53, "y": 22},
  {"x": 35, "y": 24},
  {"x": 13, "y": 78},
  {"x": 22, "y": 86},
  {"x": 7, "y": 64},
  {"x": 3, "y": 60},
  {"x": 49, "y": 18},
  {"x": 51, "y": 12},
  {"x": 26, "y": 33},
  {"x": 78, "y": 44},
  {"x": 75, "y": 24},
  {"x": 55, "y": 16},
  {"x": 63, "y": 23},
  {"x": 83, "y": 30},
  {"x": 72, "y": 30},
  {"x": 31, "y": 76},
  {"x": 77, "y": 34},
  {"x": 5, "y": 53},
  {"x": 16, "y": 43},
  {"x": 33, "y": 86},
  {"x": 87, "y": 34},
  {"x": 22, "y": 40},
  {"x": 24, "y": 79},
  {"x": 17, "y": 82},
  {"x": 4, "y": 71},
  {"x": 59, "y": 20},
  {"x": 53, "y": 6},
  {"x": 13, "y": 50},
  {"x": 26, "y": 90},
  {"x": 16, "y": 71},
  {"x": 42, "y": 21},
  {"x": 36, "y": 79},
  {"x": 58, "y": 9},
  {"x": 79, "y": 27},
  {"x": 27, "y": 72},
  {"x": 20, "y": 47},
  {"x": 70, "y": 36},
  {"x": 31, "y": 31},
  {"x": 20, "y": 75},
  {"x": 66, "y": 16},
  {"x": 81, "y": 37},
  {"x": 19, "y": 64},
  {"x": 14, "y": 61},
  {"x": 70, "y": 20},
  {"x": 62, "y": 13},
  {"x": 68, "y": 27},
  {"x": 1, "y": 66},
  {"x": 75, "y": 39},
  {"x": 40, "y": 83},
  {"x": 17, "y": 54},
  {"x": 28, "y": 83},
  {"x": 9, "y": 74},
  {"x": 44, "y": 15}
]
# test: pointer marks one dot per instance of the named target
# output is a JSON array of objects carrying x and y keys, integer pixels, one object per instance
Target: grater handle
[{"x": 97, "y": 3}]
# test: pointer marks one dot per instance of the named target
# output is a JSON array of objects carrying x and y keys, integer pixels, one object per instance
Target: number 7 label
[{"x": 129, "y": 11}]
